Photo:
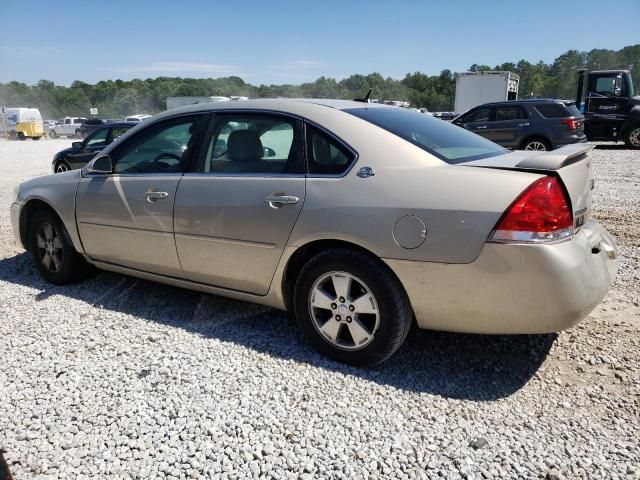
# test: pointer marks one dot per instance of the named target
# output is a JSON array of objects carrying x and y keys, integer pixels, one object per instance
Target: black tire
[
  {"x": 36, "y": 138},
  {"x": 78, "y": 133},
  {"x": 632, "y": 137},
  {"x": 395, "y": 314},
  {"x": 21, "y": 136},
  {"x": 531, "y": 142},
  {"x": 71, "y": 266},
  {"x": 62, "y": 166},
  {"x": 53, "y": 134}
]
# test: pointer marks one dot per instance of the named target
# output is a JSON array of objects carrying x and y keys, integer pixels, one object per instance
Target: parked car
[
  {"x": 90, "y": 125},
  {"x": 67, "y": 127},
  {"x": 81, "y": 152},
  {"x": 360, "y": 218},
  {"x": 136, "y": 118},
  {"x": 446, "y": 116},
  {"x": 540, "y": 124}
]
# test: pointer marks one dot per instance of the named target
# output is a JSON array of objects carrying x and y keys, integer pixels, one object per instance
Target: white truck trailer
[{"x": 476, "y": 88}]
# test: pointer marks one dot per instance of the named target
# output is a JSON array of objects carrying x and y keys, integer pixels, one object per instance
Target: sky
[{"x": 287, "y": 41}]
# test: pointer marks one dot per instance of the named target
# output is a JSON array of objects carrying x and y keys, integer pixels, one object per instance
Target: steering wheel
[{"x": 167, "y": 155}]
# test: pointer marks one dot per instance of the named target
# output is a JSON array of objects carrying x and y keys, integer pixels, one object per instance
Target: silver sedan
[{"x": 362, "y": 219}]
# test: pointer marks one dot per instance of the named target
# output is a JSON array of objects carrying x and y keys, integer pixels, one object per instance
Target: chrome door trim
[{"x": 231, "y": 241}]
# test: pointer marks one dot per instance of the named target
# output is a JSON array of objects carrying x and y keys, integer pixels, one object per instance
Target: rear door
[
  {"x": 235, "y": 212},
  {"x": 509, "y": 121}
]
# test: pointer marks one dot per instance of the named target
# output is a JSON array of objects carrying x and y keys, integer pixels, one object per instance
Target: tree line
[{"x": 118, "y": 98}]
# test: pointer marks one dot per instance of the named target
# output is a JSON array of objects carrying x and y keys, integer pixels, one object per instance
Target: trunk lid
[{"x": 570, "y": 163}]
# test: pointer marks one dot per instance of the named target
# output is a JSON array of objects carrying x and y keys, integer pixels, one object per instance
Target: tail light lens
[
  {"x": 540, "y": 214},
  {"x": 572, "y": 123}
]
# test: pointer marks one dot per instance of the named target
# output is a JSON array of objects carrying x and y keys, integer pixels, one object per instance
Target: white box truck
[{"x": 476, "y": 88}]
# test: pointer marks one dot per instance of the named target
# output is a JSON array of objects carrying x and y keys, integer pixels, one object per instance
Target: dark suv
[{"x": 540, "y": 124}]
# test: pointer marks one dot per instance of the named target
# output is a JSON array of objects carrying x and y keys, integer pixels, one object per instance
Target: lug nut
[
  {"x": 341, "y": 299},
  {"x": 338, "y": 317},
  {"x": 351, "y": 308},
  {"x": 348, "y": 319},
  {"x": 334, "y": 306}
]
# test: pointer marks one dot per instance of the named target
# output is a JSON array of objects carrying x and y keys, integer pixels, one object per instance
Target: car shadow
[
  {"x": 452, "y": 365},
  {"x": 612, "y": 146}
]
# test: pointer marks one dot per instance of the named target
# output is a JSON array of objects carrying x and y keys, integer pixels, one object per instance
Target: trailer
[{"x": 477, "y": 88}]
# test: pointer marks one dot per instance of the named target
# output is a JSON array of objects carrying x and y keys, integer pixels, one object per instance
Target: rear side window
[
  {"x": 443, "y": 140},
  {"x": 552, "y": 110},
  {"x": 510, "y": 113},
  {"x": 326, "y": 155}
]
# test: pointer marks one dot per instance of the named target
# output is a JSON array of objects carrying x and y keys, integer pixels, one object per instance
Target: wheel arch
[
  {"x": 30, "y": 208},
  {"x": 533, "y": 136},
  {"x": 304, "y": 253}
]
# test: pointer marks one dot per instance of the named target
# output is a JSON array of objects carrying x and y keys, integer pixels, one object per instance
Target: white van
[
  {"x": 23, "y": 123},
  {"x": 136, "y": 118}
]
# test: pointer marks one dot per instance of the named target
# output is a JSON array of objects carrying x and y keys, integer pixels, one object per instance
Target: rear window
[
  {"x": 553, "y": 110},
  {"x": 446, "y": 141}
]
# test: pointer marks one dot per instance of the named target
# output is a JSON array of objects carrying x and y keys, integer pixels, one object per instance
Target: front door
[
  {"x": 605, "y": 105},
  {"x": 477, "y": 121},
  {"x": 126, "y": 218},
  {"x": 234, "y": 215},
  {"x": 91, "y": 145}
]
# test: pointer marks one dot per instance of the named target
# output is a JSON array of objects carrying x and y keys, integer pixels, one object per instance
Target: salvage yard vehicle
[
  {"x": 23, "y": 123},
  {"x": 360, "y": 218},
  {"x": 80, "y": 153},
  {"x": 611, "y": 108},
  {"x": 67, "y": 127},
  {"x": 540, "y": 124}
]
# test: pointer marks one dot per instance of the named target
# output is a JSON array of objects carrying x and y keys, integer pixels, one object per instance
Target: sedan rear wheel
[
  {"x": 351, "y": 307},
  {"x": 53, "y": 134}
]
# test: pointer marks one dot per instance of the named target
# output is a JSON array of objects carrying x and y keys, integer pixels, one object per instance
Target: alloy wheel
[
  {"x": 634, "y": 138},
  {"x": 537, "y": 146},
  {"x": 62, "y": 167},
  {"x": 344, "y": 310},
  {"x": 49, "y": 247}
]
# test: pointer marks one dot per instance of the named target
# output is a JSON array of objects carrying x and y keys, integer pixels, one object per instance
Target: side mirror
[
  {"x": 100, "y": 166},
  {"x": 77, "y": 145},
  {"x": 617, "y": 86}
]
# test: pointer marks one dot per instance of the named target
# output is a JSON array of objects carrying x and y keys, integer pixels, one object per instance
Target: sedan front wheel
[{"x": 351, "y": 307}]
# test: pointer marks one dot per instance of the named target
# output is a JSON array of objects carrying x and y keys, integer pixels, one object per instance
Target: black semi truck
[{"x": 611, "y": 108}]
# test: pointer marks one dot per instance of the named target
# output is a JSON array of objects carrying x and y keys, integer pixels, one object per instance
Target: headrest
[{"x": 244, "y": 146}]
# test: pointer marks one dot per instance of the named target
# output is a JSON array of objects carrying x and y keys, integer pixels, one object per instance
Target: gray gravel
[{"x": 124, "y": 378}]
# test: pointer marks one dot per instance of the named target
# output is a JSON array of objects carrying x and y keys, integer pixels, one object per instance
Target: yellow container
[{"x": 29, "y": 129}]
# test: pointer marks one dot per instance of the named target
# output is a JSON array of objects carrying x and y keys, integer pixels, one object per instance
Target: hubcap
[
  {"x": 344, "y": 310},
  {"x": 535, "y": 146},
  {"x": 634, "y": 137},
  {"x": 49, "y": 247}
]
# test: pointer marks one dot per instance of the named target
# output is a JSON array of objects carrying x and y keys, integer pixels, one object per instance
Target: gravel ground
[{"x": 124, "y": 378}]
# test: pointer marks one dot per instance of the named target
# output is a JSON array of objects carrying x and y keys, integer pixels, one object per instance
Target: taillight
[
  {"x": 540, "y": 214},
  {"x": 572, "y": 123}
]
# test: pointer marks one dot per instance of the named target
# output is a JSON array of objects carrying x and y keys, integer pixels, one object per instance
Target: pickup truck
[{"x": 67, "y": 127}]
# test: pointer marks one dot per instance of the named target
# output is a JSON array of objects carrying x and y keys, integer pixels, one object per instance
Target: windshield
[{"x": 442, "y": 139}]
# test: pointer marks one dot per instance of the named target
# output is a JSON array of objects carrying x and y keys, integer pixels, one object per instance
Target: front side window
[
  {"x": 67, "y": 121},
  {"x": 445, "y": 141},
  {"x": 605, "y": 85},
  {"x": 510, "y": 113},
  {"x": 480, "y": 115},
  {"x": 99, "y": 138},
  {"x": 163, "y": 148},
  {"x": 326, "y": 155},
  {"x": 253, "y": 144}
]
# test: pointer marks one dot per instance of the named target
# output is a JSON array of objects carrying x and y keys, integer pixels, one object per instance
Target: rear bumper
[
  {"x": 514, "y": 288},
  {"x": 570, "y": 140}
]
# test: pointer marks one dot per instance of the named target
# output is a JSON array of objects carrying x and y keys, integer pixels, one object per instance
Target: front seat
[{"x": 244, "y": 150}]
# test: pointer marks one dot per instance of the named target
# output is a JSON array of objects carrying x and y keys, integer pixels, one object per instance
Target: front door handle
[
  {"x": 153, "y": 196},
  {"x": 481, "y": 127},
  {"x": 276, "y": 201}
]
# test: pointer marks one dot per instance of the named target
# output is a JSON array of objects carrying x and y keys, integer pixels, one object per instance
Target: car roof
[{"x": 525, "y": 100}]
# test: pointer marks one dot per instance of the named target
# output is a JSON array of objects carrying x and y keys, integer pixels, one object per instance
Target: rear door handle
[
  {"x": 523, "y": 124},
  {"x": 152, "y": 195},
  {"x": 276, "y": 201},
  {"x": 481, "y": 127}
]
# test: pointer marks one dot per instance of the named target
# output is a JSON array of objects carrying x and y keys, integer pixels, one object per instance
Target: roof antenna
[{"x": 365, "y": 99}]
